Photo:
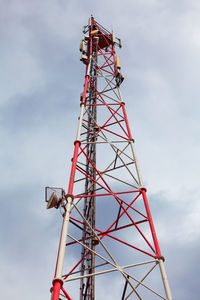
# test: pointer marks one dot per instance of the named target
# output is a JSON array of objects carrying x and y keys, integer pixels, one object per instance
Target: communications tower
[{"x": 108, "y": 245}]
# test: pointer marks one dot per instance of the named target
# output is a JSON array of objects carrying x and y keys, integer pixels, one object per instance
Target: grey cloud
[{"x": 41, "y": 80}]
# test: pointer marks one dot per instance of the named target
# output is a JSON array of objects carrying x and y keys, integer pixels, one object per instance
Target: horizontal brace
[
  {"x": 105, "y": 232},
  {"x": 108, "y": 271},
  {"x": 110, "y": 142},
  {"x": 106, "y": 194},
  {"x": 108, "y": 104}
]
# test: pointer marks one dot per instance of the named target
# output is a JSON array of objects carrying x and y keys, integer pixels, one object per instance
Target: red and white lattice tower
[{"x": 108, "y": 245}]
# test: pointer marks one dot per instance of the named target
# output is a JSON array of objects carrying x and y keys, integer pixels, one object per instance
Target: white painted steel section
[
  {"x": 134, "y": 154},
  {"x": 140, "y": 283},
  {"x": 88, "y": 69},
  {"x": 120, "y": 94},
  {"x": 165, "y": 280},
  {"x": 136, "y": 165},
  {"x": 113, "y": 270},
  {"x": 120, "y": 269},
  {"x": 80, "y": 122},
  {"x": 63, "y": 240}
]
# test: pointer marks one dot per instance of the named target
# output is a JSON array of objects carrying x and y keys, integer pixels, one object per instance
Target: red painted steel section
[
  {"x": 126, "y": 120},
  {"x": 127, "y": 244},
  {"x": 151, "y": 223},
  {"x": 106, "y": 194},
  {"x": 85, "y": 88},
  {"x": 56, "y": 289},
  {"x": 73, "y": 170},
  {"x": 125, "y": 211},
  {"x": 68, "y": 297}
]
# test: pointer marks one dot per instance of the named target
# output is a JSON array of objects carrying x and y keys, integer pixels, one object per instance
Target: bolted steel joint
[
  {"x": 77, "y": 141},
  {"x": 69, "y": 197},
  {"x": 161, "y": 258},
  {"x": 57, "y": 280}
]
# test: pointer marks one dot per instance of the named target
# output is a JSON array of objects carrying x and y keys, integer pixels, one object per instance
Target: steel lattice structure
[{"x": 108, "y": 233}]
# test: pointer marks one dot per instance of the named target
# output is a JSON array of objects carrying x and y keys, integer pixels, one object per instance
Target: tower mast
[
  {"x": 87, "y": 286},
  {"x": 112, "y": 247}
]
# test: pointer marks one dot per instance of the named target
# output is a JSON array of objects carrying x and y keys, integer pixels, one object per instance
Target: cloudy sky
[{"x": 41, "y": 79}]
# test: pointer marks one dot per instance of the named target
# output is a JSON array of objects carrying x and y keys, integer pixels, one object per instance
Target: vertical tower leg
[
  {"x": 165, "y": 280},
  {"x": 57, "y": 282}
]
